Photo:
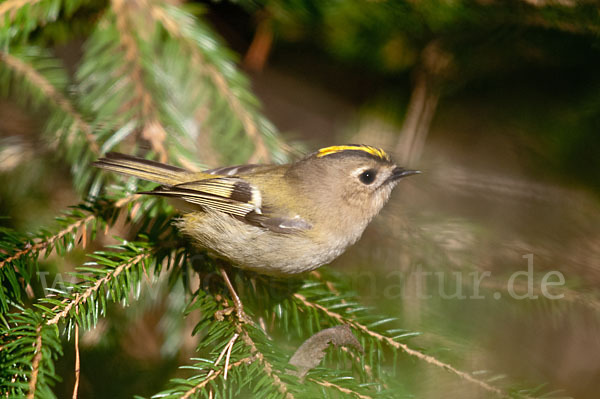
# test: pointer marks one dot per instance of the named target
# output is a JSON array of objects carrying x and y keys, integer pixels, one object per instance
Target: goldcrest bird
[{"x": 275, "y": 219}]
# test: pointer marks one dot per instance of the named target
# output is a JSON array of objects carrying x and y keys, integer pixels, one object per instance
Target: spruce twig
[
  {"x": 79, "y": 298},
  {"x": 405, "y": 348},
  {"x": 152, "y": 129},
  {"x": 52, "y": 94},
  {"x": 175, "y": 29},
  {"x": 43, "y": 244},
  {"x": 35, "y": 364}
]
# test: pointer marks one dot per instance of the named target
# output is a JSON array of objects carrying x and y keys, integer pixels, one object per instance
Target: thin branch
[
  {"x": 82, "y": 297},
  {"x": 358, "y": 360},
  {"x": 13, "y": 6},
  {"x": 268, "y": 367},
  {"x": 45, "y": 243},
  {"x": 434, "y": 68},
  {"x": 229, "y": 348},
  {"x": 31, "y": 74},
  {"x": 240, "y": 321},
  {"x": 210, "y": 377},
  {"x": 125, "y": 200},
  {"x": 427, "y": 358},
  {"x": 347, "y": 391},
  {"x": 226, "y": 351},
  {"x": 261, "y": 152},
  {"x": 414, "y": 122},
  {"x": 262, "y": 43},
  {"x": 237, "y": 302},
  {"x": 153, "y": 130},
  {"x": 35, "y": 364},
  {"x": 77, "y": 363}
]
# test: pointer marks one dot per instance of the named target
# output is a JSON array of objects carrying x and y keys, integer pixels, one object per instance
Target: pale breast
[{"x": 261, "y": 250}]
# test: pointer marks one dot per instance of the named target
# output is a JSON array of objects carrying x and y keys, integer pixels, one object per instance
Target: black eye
[{"x": 368, "y": 176}]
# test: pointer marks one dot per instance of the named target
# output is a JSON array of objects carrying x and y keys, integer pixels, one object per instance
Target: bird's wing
[
  {"x": 227, "y": 191},
  {"x": 237, "y": 197},
  {"x": 230, "y": 195},
  {"x": 279, "y": 224}
]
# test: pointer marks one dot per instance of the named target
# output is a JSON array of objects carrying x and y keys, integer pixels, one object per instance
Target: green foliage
[{"x": 29, "y": 349}]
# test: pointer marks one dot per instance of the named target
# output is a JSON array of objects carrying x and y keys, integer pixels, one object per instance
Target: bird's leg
[{"x": 237, "y": 303}]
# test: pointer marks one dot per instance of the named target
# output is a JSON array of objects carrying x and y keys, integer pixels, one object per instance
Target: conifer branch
[
  {"x": 405, "y": 348},
  {"x": 53, "y": 95},
  {"x": 27, "y": 355},
  {"x": 47, "y": 242},
  {"x": 268, "y": 367},
  {"x": 261, "y": 152},
  {"x": 35, "y": 364},
  {"x": 210, "y": 377},
  {"x": 368, "y": 369},
  {"x": 79, "y": 298},
  {"x": 346, "y": 391},
  {"x": 152, "y": 130}
]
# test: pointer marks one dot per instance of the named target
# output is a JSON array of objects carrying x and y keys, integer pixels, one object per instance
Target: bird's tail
[{"x": 143, "y": 168}]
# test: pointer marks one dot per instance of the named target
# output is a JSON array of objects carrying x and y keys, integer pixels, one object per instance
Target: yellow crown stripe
[{"x": 379, "y": 153}]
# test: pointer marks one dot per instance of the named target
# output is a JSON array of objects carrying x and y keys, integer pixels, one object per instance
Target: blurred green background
[{"x": 497, "y": 102}]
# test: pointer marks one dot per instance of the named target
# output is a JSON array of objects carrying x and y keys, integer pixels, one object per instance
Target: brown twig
[
  {"x": 226, "y": 351},
  {"x": 268, "y": 367},
  {"x": 228, "y": 356},
  {"x": 153, "y": 130},
  {"x": 261, "y": 151},
  {"x": 125, "y": 200},
  {"x": 339, "y": 388},
  {"x": 210, "y": 377},
  {"x": 258, "y": 52},
  {"x": 422, "y": 104},
  {"x": 77, "y": 363},
  {"x": 42, "y": 245},
  {"x": 241, "y": 331},
  {"x": 357, "y": 359},
  {"x": 239, "y": 322},
  {"x": 397, "y": 345},
  {"x": 45, "y": 243},
  {"x": 35, "y": 364},
  {"x": 434, "y": 67},
  {"x": 26, "y": 70},
  {"x": 237, "y": 302}
]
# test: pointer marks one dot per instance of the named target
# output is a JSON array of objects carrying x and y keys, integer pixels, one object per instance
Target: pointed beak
[{"x": 399, "y": 172}]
